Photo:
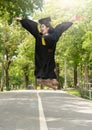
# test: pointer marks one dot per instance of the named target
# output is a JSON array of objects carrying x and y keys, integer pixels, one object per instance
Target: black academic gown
[{"x": 45, "y": 49}]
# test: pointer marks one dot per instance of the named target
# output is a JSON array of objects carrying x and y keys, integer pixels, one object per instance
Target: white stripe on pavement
[{"x": 43, "y": 125}]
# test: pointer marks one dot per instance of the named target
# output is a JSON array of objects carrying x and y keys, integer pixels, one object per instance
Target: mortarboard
[{"x": 45, "y": 21}]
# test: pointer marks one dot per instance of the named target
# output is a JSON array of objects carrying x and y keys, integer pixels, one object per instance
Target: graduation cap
[{"x": 46, "y": 21}]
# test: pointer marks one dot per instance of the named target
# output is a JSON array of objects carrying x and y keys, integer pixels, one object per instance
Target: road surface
[{"x": 44, "y": 110}]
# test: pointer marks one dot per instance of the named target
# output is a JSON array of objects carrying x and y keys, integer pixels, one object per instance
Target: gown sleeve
[
  {"x": 60, "y": 28},
  {"x": 30, "y": 26},
  {"x": 57, "y": 32}
]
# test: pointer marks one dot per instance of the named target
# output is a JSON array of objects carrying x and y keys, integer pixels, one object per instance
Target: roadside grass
[{"x": 73, "y": 92}]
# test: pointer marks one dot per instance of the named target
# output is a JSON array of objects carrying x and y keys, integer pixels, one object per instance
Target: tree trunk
[
  {"x": 26, "y": 80},
  {"x": 2, "y": 78},
  {"x": 26, "y": 75},
  {"x": 35, "y": 82},
  {"x": 42, "y": 86},
  {"x": 57, "y": 73},
  {"x": 6, "y": 67},
  {"x": 75, "y": 76},
  {"x": 86, "y": 73},
  {"x": 7, "y": 78}
]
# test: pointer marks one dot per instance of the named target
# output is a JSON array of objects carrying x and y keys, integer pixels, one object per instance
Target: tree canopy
[
  {"x": 17, "y": 45},
  {"x": 19, "y": 7}
]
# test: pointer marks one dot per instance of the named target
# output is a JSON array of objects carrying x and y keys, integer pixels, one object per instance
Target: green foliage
[
  {"x": 87, "y": 38},
  {"x": 17, "y": 46},
  {"x": 25, "y": 59},
  {"x": 19, "y": 7},
  {"x": 11, "y": 36},
  {"x": 75, "y": 44},
  {"x": 10, "y": 39}
]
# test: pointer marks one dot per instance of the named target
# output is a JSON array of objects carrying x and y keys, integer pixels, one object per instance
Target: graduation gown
[{"x": 45, "y": 47}]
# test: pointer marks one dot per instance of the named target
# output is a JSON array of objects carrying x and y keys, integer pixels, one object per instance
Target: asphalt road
[{"x": 44, "y": 110}]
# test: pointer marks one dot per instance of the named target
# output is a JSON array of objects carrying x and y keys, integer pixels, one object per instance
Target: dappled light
[{"x": 45, "y": 64}]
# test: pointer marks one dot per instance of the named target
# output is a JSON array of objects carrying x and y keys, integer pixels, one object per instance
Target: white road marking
[{"x": 43, "y": 124}]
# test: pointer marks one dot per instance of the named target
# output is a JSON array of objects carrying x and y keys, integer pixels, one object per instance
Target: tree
[
  {"x": 19, "y": 7},
  {"x": 25, "y": 58},
  {"x": 10, "y": 39},
  {"x": 70, "y": 43}
]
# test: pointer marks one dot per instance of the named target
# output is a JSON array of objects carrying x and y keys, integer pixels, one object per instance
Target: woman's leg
[
  {"x": 49, "y": 83},
  {"x": 54, "y": 81}
]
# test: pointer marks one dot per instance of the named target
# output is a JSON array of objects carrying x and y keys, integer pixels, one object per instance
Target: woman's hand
[
  {"x": 18, "y": 18},
  {"x": 74, "y": 18}
]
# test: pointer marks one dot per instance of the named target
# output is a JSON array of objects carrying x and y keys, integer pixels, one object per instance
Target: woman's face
[{"x": 44, "y": 29}]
